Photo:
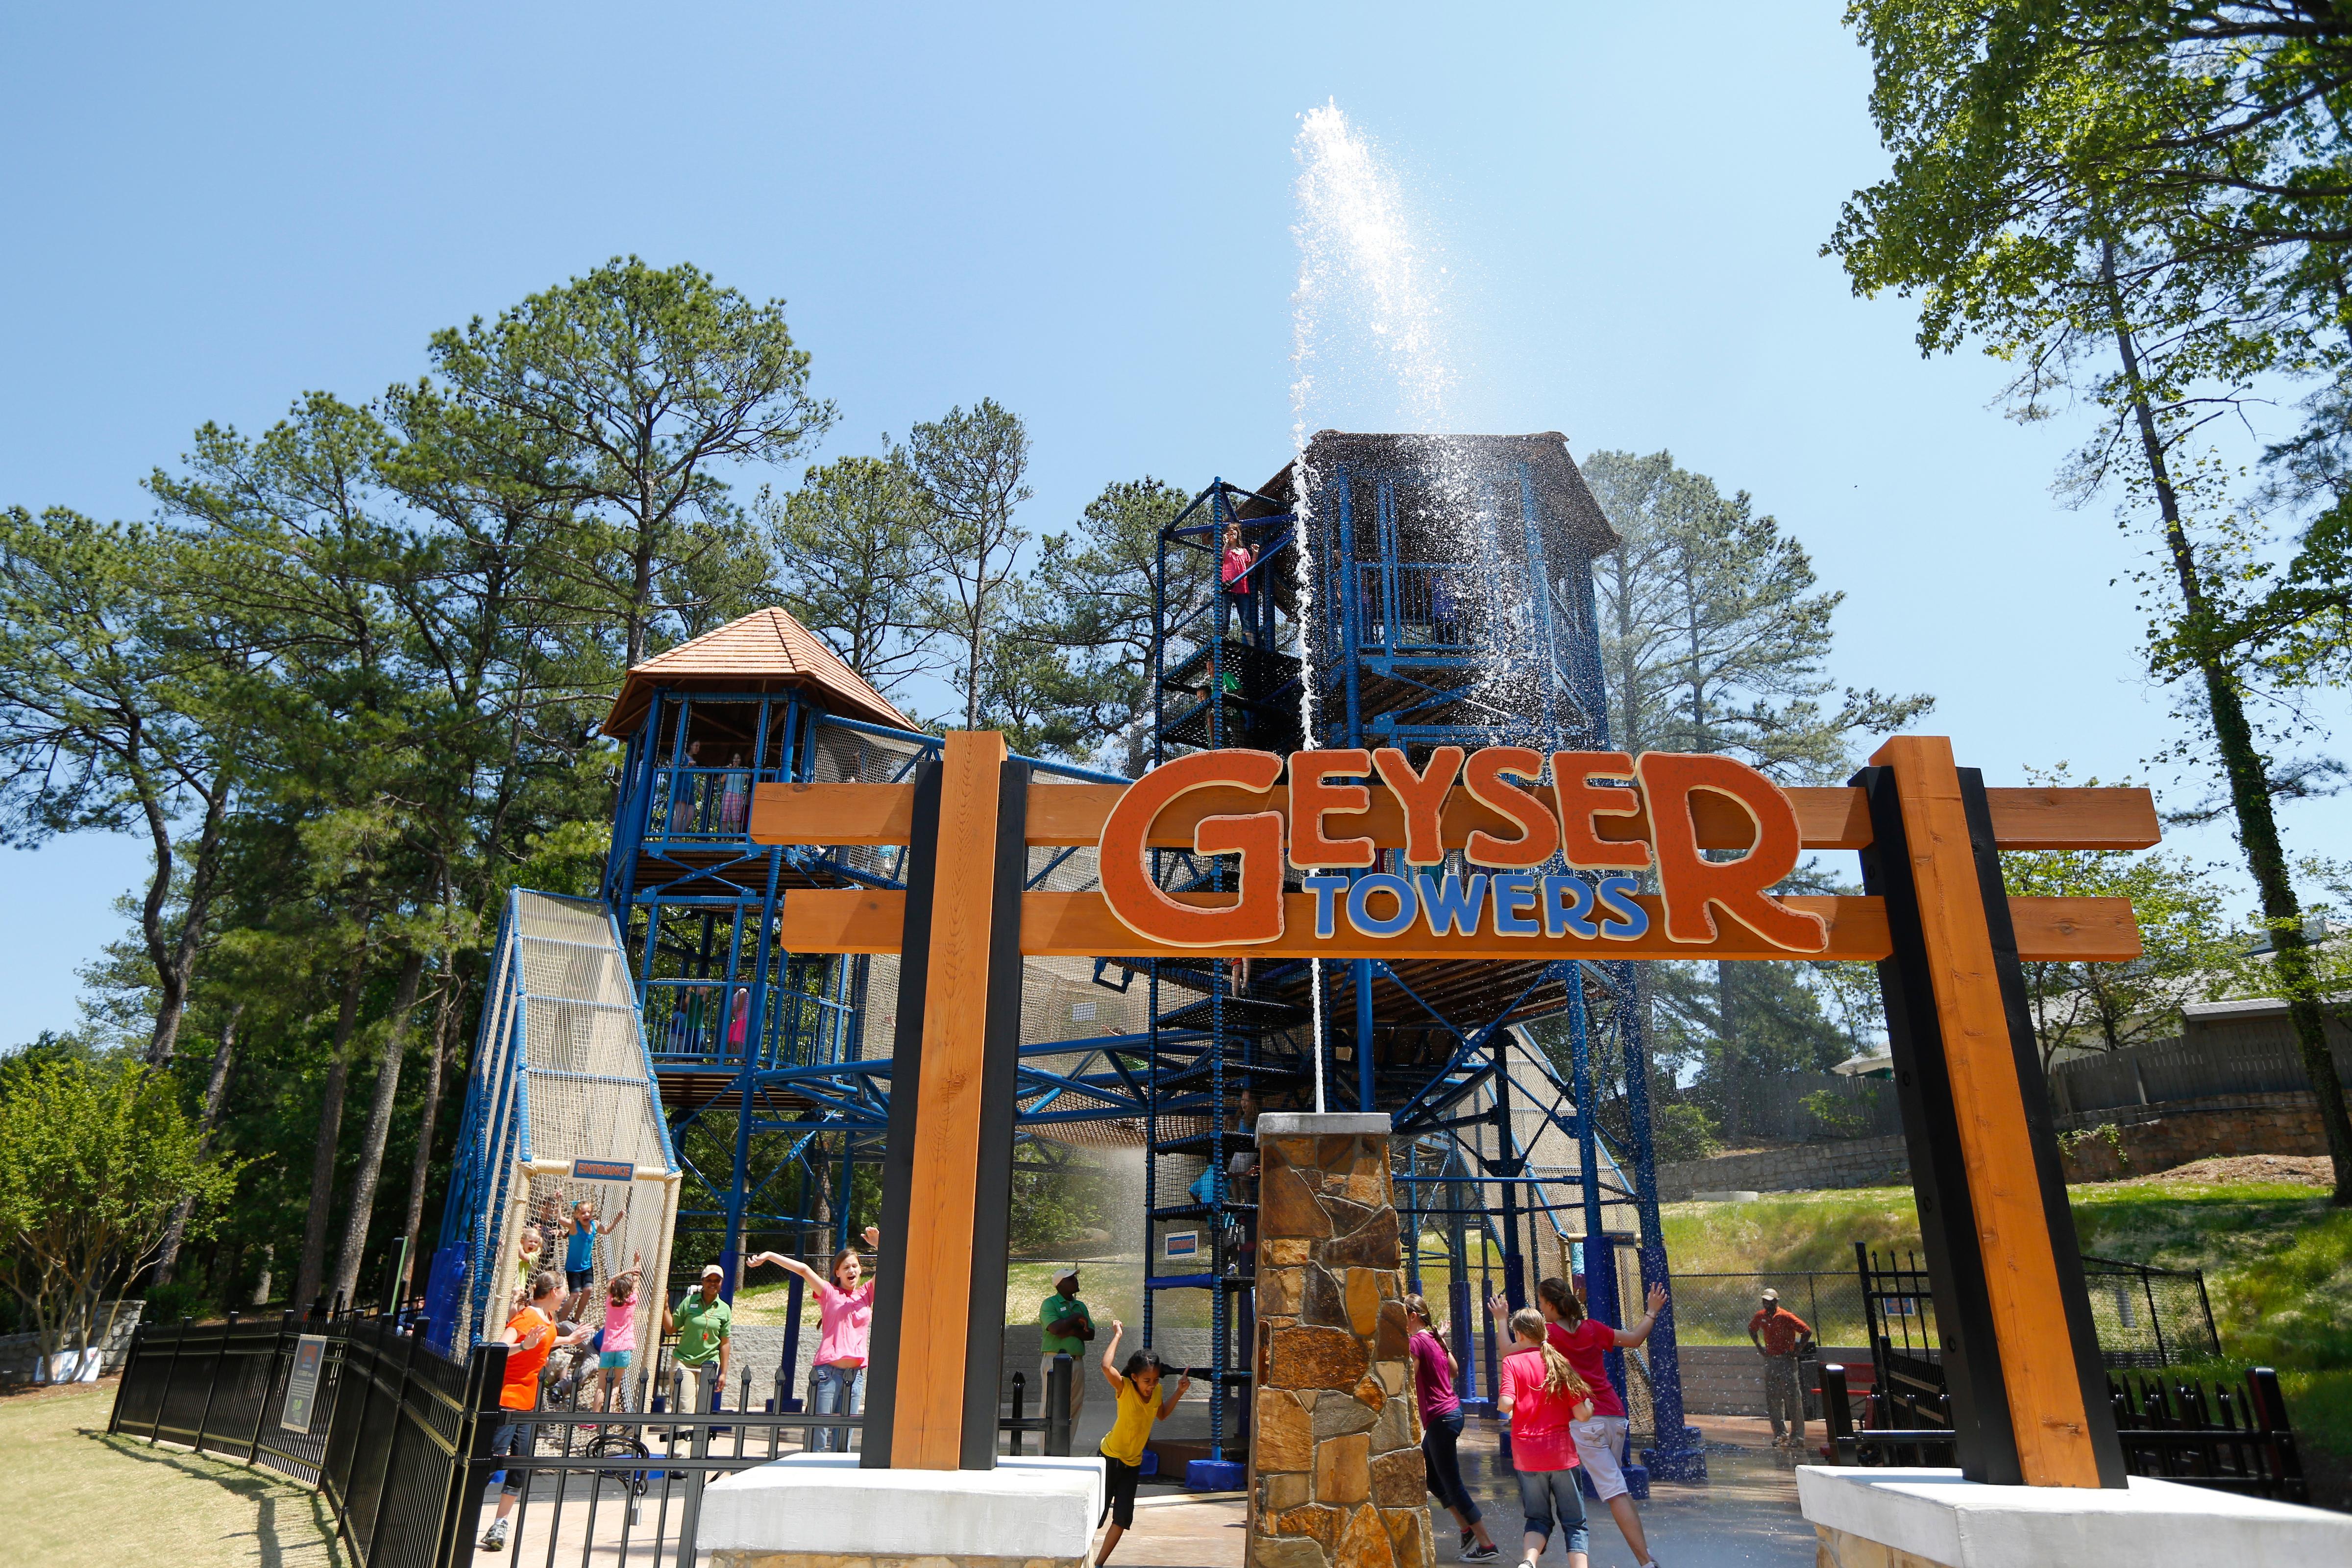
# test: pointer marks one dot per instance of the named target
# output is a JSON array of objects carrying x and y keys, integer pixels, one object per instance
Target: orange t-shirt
[{"x": 522, "y": 1390}]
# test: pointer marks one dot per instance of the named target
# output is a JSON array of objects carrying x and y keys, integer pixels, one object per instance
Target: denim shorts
[
  {"x": 1546, "y": 1496},
  {"x": 512, "y": 1438}
]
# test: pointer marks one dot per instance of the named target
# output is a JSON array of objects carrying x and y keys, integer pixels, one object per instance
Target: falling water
[{"x": 1366, "y": 336}]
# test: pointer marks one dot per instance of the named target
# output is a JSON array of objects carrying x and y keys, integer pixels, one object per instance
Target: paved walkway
[{"x": 1744, "y": 1516}]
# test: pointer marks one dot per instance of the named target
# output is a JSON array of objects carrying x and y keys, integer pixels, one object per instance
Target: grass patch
[
  {"x": 85, "y": 1497},
  {"x": 2277, "y": 1260}
]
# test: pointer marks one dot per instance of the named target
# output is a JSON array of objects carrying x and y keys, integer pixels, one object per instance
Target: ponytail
[{"x": 1558, "y": 1376}]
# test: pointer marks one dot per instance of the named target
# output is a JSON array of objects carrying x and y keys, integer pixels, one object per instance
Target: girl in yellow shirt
[{"x": 1139, "y": 1404}]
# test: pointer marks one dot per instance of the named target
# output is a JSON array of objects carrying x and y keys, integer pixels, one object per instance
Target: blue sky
[{"x": 1085, "y": 215}]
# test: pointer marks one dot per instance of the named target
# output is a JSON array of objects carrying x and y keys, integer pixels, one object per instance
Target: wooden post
[
  {"x": 2012, "y": 1316},
  {"x": 947, "y": 1180}
]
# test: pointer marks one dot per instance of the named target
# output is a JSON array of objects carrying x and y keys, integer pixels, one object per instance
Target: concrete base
[
  {"x": 826, "y": 1510},
  {"x": 1932, "y": 1519}
]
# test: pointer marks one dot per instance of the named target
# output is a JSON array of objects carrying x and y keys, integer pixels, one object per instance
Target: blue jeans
[
  {"x": 1439, "y": 1436},
  {"x": 834, "y": 1391},
  {"x": 1547, "y": 1495}
]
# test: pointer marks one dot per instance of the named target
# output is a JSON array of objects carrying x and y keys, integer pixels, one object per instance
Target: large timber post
[
  {"x": 947, "y": 1181},
  {"x": 2021, "y": 1354}
]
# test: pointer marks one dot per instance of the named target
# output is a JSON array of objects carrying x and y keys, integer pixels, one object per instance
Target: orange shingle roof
[{"x": 764, "y": 651}]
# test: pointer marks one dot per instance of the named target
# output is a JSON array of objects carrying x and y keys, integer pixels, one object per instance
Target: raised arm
[
  {"x": 794, "y": 1264},
  {"x": 1169, "y": 1404},
  {"x": 1656, "y": 1303},
  {"x": 1110, "y": 1356}
]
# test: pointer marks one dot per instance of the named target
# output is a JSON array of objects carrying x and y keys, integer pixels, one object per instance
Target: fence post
[
  {"x": 486, "y": 1372},
  {"x": 269, "y": 1385},
  {"x": 212, "y": 1383},
  {"x": 1020, "y": 1391},
  {"x": 130, "y": 1370},
  {"x": 392, "y": 1445},
  {"x": 2155, "y": 1318},
  {"x": 707, "y": 1386},
  {"x": 171, "y": 1370},
  {"x": 1836, "y": 1415},
  {"x": 1058, "y": 1406}
]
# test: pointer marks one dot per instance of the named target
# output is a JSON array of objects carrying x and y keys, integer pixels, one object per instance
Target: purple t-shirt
[{"x": 1432, "y": 1376}]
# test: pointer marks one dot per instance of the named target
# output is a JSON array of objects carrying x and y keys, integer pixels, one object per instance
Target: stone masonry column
[{"x": 1336, "y": 1474}]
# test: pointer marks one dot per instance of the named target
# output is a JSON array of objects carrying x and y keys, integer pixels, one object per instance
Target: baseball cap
[
  {"x": 1771, "y": 1295},
  {"x": 1066, "y": 1275},
  {"x": 710, "y": 1268}
]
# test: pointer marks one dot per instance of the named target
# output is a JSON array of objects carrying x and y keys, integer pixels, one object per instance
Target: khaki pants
[
  {"x": 1077, "y": 1385},
  {"x": 1784, "y": 1398}
]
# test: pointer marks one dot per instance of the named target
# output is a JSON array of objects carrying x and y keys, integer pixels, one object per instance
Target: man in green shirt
[
  {"x": 700, "y": 1321},
  {"x": 1064, "y": 1328}
]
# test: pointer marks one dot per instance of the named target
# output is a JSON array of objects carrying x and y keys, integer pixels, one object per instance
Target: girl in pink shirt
[
  {"x": 1542, "y": 1396},
  {"x": 846, "y": 1323},
  {"x": 617, "y": 1345}
]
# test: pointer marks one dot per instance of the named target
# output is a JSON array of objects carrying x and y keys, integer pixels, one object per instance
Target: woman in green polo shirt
[{"x": 700, "y": 1321}]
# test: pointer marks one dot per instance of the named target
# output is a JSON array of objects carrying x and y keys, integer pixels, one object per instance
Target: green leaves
[{"x": 94, "y": 1156}]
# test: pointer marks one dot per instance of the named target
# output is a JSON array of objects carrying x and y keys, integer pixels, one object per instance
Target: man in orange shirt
[
  {"x": 531, "y": 1336},
  {"x": 1780, "y": 1336}
]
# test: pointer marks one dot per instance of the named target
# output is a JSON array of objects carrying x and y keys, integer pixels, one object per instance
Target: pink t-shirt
[
  {"x": 1539, "y": 1435},
  {"x": 1433, "y": 1378},
  {"x": 1236, "y": 567},
  {"x": 1584, "y": 1345},
  {"x": 848, "y": 1319},
  {"x": 621, "y": 1324}
]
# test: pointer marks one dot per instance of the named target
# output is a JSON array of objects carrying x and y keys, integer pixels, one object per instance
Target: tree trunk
[
  {"x": 2245, "y": 766},
  {"x": 361, "y": 1205},
  {"x": 216, "y": 1093},
  {"x": 262, "y": 1282},
  {"x": 308, "y": 1271},
  {"x": 453, "y": 994},
  {"x": 175, "y": 959}
]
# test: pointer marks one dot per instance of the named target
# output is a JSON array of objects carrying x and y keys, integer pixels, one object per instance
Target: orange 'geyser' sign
[{"x": 1510, "y": 894}]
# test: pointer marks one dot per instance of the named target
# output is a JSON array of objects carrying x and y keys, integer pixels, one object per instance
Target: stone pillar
[{"x": 1336, "y": 1474}]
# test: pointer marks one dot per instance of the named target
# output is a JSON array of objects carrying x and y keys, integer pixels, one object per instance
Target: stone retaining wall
[
  {"x": 1804, "y": 1167},
  {"x": 2147, "y": 1139}
]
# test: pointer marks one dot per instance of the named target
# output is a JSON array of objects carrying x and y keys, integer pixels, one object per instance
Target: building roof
[
  {"x": 1558, "y": 481},
  {"x": 767, "y": 650}
]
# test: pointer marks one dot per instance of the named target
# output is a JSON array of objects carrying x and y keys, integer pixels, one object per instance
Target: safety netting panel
[{"x": 580, "y": 1121}]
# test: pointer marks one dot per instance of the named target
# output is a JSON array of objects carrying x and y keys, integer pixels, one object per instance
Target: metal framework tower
[
  {"x": 1445, "y": 597},
  {"x": 1417, "y": 591}
]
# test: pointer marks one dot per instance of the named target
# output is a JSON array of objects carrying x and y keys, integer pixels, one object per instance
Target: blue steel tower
[{"x": 1419, "y": 591}]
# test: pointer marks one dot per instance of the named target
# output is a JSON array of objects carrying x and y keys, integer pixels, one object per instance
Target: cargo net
[{"x": 582, "y": 1121}]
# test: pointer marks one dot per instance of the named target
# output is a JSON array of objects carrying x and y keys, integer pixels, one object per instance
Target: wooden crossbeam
[
  {"x": 1080, "y": 925},
  {"x": 1073, "y": 814}
]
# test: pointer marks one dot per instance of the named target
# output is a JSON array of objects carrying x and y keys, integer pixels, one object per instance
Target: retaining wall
[{"x": 2147, "y": 1139}]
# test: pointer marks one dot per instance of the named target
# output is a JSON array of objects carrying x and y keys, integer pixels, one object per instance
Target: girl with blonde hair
[{"x": 1543, "y": 1398}]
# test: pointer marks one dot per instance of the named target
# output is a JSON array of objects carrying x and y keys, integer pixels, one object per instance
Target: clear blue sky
[{"x": 1085, "y": 215}]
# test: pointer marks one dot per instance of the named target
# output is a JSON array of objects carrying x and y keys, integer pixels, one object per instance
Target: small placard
[
  {"x": 602, "y": 1171},
  {"x": 302, "y": 1382},
  {"x": 1183, "y": 1243}
]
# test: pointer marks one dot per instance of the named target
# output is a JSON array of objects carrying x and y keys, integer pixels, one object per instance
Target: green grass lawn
[
  {"x": 2277, "y": 1262},
  {"x": 84, "y": 1496}
]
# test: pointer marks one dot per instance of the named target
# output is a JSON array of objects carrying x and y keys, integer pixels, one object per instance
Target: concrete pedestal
[
  {"x": 1336, "y": 1473},
  {"x": 1933, "y": 1519},
  {"x": 824, "y": 1511}
]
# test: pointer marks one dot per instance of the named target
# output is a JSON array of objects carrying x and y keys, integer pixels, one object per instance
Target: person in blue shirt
[{"x": 579, "y": 1246}]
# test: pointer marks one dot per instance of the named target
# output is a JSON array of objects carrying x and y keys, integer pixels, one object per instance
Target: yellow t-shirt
[{"x": 1129, "y": 1432}]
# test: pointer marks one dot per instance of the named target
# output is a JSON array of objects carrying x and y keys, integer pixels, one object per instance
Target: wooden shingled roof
[{"x": 767, "y": 650}]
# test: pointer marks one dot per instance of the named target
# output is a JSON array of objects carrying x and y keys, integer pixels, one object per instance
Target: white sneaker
[{"x": 496, "y": 1541}]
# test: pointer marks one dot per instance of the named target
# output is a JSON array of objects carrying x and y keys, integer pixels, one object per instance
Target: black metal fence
[
  {"x": 2230, "y": 1437},
  {"x": 400, "y": 1439}
]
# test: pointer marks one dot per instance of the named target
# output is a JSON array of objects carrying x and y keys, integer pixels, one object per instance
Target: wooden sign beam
[
  {"x": 1080, "y": 925},
  {"x": 867, "y": 814}
]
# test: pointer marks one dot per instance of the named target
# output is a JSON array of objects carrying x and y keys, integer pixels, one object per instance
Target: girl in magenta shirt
[
  {"x": 844, "y": 1305},
  {"x": 1543, "y": 1397},
  {"x": 1433, "y": 1371}
]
